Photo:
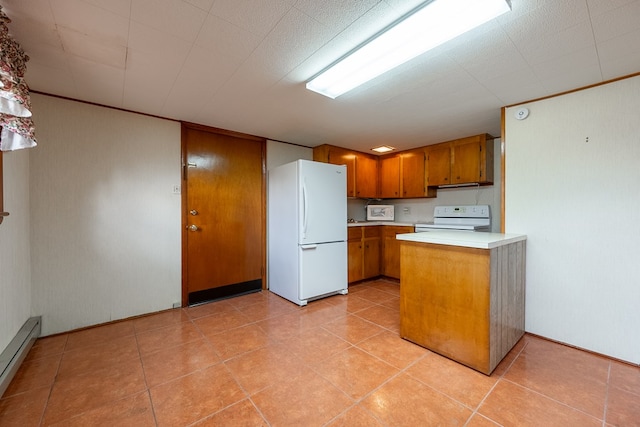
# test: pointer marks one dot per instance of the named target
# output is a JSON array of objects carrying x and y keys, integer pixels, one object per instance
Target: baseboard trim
[{"x": 13, "y": 356}]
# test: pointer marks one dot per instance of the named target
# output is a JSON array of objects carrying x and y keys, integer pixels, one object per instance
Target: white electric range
[{"x": 463, "y": 218}]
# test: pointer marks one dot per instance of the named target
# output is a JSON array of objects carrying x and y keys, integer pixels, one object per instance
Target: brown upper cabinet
[
  {"x": 366, "y": 176},
  {"x": 414, "y": 173},
  {"x": 462, "y": 161},
  {"x": 403, "y": 175},
  {"x": 390, "y": 177},
  {"x": 362, "y": 169}
]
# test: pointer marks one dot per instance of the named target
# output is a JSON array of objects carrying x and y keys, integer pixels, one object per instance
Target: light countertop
[
  {"x": 467, "y": 239},
  {"x": 369, "y": 223}
]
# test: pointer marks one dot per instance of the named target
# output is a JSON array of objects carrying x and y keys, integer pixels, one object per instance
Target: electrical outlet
[
  {"x": 177, "y": 189},
  {"x": 406, "y": 210}
]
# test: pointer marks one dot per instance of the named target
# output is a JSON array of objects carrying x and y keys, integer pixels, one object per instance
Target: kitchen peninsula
[{"x": 462, "y": 294}]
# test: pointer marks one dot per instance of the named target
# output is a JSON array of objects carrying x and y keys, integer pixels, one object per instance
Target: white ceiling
[{"x": 242, "y": 64}]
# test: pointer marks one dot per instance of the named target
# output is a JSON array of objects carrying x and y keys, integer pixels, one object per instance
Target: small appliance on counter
[{"x": 380, "y": 213}]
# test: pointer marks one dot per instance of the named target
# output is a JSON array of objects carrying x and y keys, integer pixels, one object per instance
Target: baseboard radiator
[{"x": 12, "y": 356}]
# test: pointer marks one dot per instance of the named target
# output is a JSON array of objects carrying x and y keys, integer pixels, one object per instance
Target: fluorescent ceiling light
[
  {"x": 383, "y": 149},
  {"x": 428, "y": 26}
]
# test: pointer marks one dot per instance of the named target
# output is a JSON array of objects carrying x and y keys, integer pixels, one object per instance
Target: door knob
[
  {"x": 192, "y": 227},
  {"x": 193, "y": 212}
]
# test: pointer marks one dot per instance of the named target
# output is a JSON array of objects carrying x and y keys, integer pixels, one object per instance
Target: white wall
[
  {"x": 105, "y": 226},
  {"x": 280, "y": 153},
  {"x": 15, "y": 276},
  {"x": 572, "y": 185}
]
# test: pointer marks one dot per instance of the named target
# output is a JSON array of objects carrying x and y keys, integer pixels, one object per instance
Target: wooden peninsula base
[{"x": 465, "y": 303}]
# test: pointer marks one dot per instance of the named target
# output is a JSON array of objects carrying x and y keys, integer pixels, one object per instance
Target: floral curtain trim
[{"x": 15, "y": 102}]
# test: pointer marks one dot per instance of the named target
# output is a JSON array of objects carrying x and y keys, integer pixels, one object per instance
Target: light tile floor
[{"x": 258, "y": 360}]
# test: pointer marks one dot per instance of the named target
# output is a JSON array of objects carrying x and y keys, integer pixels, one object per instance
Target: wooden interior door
[{"x": 223, "y": 214}]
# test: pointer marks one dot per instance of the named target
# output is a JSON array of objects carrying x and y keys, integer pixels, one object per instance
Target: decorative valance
[{"x": 15, "y": 103}]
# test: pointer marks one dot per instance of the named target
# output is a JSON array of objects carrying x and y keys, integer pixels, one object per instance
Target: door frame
[{"x": 183, "y": 183}]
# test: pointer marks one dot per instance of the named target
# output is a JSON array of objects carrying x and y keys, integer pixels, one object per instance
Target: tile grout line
[
  {"x": 606, "y": 396},
  {"x": 146, "y": 382},
  {"x": 55, "y": 380},
  {"x": 500, "y": 378},
  {"x": 552, "y": 399}
]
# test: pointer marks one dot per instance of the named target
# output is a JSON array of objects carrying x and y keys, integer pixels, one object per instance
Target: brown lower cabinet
[
  {"x": 373, "y": 251},
  {"x": 363, "y": 252},
  {"x": 391, "y": 249}
]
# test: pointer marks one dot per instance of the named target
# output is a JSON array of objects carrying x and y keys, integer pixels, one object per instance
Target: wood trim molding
[
  {"x": 223, "y": 132},
  {"x": 503, "y": 163},
  {"x": 183, "y": 212},
  {"x": 2, "y": 212},
  {"x": 576, "y": 90}
]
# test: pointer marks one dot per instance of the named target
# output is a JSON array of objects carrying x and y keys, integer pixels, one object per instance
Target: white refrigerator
[{"x": 307, "y": 230}]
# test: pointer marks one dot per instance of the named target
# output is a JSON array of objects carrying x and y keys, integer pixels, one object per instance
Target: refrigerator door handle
[
  {"x": 306, "y": 247},
  {"x": 304, "y": 209}
]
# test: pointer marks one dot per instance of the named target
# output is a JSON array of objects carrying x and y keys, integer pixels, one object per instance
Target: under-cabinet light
[
  {"x": 383, "y": 149},
  {"x": 430, "y": 25}
]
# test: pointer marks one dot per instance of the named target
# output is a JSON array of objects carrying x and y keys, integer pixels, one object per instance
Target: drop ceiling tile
[
  {"x": 91, "y": 49},
  {"x": 104, "y": 83},
  {"x": 177, "y": 18},
  {"x": 578, "y": 69},
  {"x": 202, "y": 4},
  {"x": 257, "y": 16},
  {"x": 46, "y": 56},
  {"x": 520, "y": 8},
  {"x": 53, "y": 80},
  {"x": 517, "y": 86},
  {"x": 120, "y": 7},
  {"x": 598, "y": 7},
  {"x": 28, "y": 17},
  {"x": 148, "y": 81},
  {"x": 84, "y": 18},
  {"x": 187, "y": 99},
  {"x": 238, "y": 93},
  {"x": 617, "y": 22},
  {"x": 620, "y": 56},
  {"x": 157, "y": 43},
  {"x": 550, "y": 17},
  {"x": 490, "y": 56},
  {"x": 279, "y": 53},
  {"x": 338, "y": 13},
  {"x": 547, "y": 46},
  {"x": 220, "y": 37}
]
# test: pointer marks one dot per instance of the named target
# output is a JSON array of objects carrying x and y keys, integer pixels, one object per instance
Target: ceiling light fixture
[
  {"x": 383, "y": 149},
  {"x": 428, "y": 26}
]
